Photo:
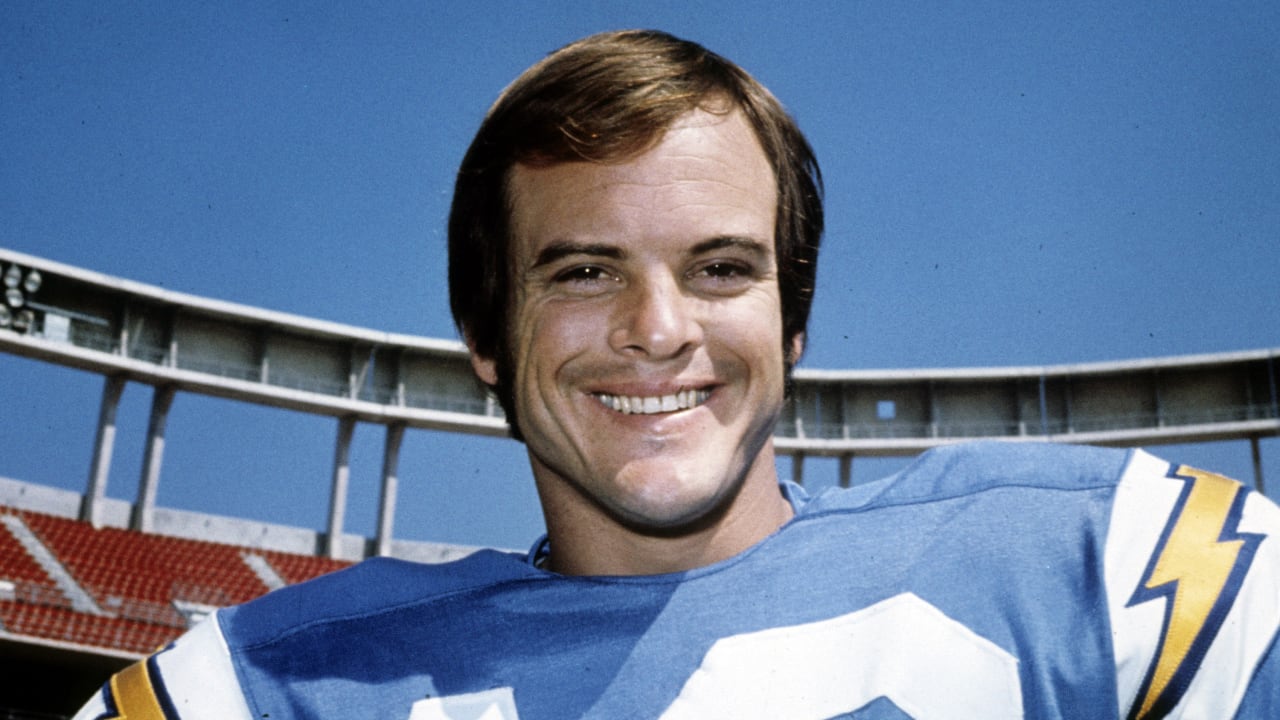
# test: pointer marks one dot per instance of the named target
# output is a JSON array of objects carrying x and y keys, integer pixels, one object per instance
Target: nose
[{"x": 655, "y": 319}]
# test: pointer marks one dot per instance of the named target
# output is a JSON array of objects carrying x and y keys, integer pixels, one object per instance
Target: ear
[
  {"x": 796, "y": 349},
  {"x": 486, "y": 368}
]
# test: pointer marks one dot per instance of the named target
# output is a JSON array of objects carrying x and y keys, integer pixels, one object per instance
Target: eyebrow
[
  {"x": 565, "y": 248},
  {"x": 561, "y": 249},
  {"x": 751, "y": 245}
]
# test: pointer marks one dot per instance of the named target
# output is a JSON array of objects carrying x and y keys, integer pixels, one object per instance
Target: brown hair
[{"x": 608, "y": 98}]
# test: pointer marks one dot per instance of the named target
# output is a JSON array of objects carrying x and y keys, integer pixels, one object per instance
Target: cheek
[
  {"x": 753, "y": 325},
  {"x": 548, "y": 336}
]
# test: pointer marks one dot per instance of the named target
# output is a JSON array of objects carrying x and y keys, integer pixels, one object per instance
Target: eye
[
  {"x": 585, "y": 279},
  {"x": 723, "y": 273},
  {"x": 723, "y": 276},
  {"x": 582, "y": 273},
  {"x": 724, "y": 270}
]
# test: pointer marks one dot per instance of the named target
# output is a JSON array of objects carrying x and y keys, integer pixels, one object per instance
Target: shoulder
[
  {"x": 192, "y": 678},
  {"x": 984, "y": 465},
  {"x": 374, "y": 586},
  {"x": 959, "y": 470},
  {"x": 1192, "y": 572},
  {"x": 203, "y": 675}
]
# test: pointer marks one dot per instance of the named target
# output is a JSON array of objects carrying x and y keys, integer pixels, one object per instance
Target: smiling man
[{"x": 633, "y": 244}]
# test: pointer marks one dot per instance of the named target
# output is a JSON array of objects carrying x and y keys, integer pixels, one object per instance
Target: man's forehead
[
  {"x": 711, "y": 162},
  {"x": 702, "y": 129}
]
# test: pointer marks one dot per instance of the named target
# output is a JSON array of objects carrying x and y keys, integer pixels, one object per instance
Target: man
[{"x": 633, "y": 244}]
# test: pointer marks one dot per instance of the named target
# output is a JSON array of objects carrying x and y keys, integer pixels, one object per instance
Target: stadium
[{"x": 89, "y": 583}]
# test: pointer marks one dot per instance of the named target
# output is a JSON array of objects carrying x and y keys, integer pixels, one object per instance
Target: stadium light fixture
[
  {"x": 17, "y": 313},
  {"x": 32, "y": 282},
  {"x": 24, "y": 320}
]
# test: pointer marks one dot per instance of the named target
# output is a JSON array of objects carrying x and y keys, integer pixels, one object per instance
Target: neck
[{"x": 587, "y": 540}]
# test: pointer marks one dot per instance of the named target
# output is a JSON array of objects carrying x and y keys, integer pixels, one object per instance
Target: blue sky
[{"x": 1007, "y": 184}]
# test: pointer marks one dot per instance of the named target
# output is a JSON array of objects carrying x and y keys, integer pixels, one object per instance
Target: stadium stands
[
  {"x": 144, "y": 586},
  {"x": 117, "y": 563},
  {"x": 77, "y": 602}
]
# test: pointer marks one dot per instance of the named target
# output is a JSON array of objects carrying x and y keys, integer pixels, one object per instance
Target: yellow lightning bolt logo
[
  {"x": 133, "y": 695},
  {"x": 1200, "y": 565}
]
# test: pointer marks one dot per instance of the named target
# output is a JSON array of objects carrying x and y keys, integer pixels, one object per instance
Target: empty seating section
[
  {"x": 137, "y": 580},
  {"x": 68, "y": 626},
  {"x": 300, "y": 568},
  {"x": 117, "y": 566}
]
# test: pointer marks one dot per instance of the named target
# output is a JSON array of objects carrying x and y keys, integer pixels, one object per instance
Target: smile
[{"x": 636, "y": 405}]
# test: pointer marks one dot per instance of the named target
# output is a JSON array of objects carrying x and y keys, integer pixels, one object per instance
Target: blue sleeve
[{"x": 1262, "y": 699}]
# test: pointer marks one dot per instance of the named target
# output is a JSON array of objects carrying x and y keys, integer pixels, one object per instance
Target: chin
[{"x": 668, "y": 516}]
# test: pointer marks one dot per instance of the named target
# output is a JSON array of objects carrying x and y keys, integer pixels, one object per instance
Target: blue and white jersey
[{"x": 991, "y": 581}]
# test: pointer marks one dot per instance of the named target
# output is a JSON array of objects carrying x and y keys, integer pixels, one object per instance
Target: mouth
[{"x": 653, "y": 404}]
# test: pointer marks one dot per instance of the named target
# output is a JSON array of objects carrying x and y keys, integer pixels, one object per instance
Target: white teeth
[{"x": 636, "y": 405}]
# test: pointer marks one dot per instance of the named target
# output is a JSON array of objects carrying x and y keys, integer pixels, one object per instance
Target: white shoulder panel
[
  {"x": 193, "y": 678},
  {"x": 1193, "y": 584}
]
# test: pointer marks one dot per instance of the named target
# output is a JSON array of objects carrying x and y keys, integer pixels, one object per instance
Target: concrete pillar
[
  {"x": 846, "y": 470},
  {"x": 387, "y": 502},
  {"x": 1257, "y": 464},
  {"x": 1044, "y": 407},
  {"x": 149, "y": 484},
  {"x": 104, "y": 442},
  {"x": 338, "y": 492}
]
